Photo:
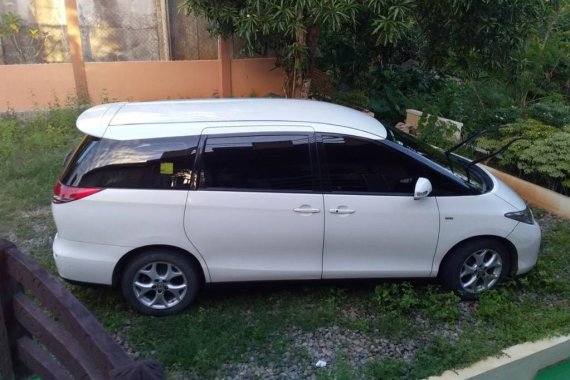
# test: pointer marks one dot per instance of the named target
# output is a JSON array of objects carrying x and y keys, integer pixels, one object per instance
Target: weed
[
  {"x": 440, "y": 306},
  {"x": 400, "y": 298},
  {"x": 387, "y": 368},
  {"x": 340, "y": 371}
]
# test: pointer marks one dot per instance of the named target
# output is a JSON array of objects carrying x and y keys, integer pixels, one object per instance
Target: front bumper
[{"x": 526, "y": 239}]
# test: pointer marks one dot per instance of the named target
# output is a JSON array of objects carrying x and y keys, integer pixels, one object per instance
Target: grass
[{"x": 250, "y": 323}]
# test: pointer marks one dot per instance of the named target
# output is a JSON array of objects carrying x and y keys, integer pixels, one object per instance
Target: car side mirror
[{"x": 423, "y": 188}]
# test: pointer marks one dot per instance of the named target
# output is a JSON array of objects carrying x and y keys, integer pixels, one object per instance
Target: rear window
[{"x": 164, "y": 163}]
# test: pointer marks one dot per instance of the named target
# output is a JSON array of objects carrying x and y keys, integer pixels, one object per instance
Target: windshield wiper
[
  {"x": 504, "y": 147},
  {"x": 455, "y": 147},
  {"x": 471, "y": 138},
  {"x": 487, "y": 156}
]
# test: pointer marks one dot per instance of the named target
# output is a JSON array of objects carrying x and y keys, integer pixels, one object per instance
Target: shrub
[
  {"x": 392, "y": 89},
  {"x": 435, "y": 132},
  {"x": 494, "y": 305},
  {"x": 440, "y": 306},
  {"x": 497, "y": 117},
  {"x": 400, "y": 298},
  {"x": 548, "y": 159},
  {"x": 354, "y": 99},
  {"x": 556, "y": 114},
  {"x": 542, "y": 157},
  {"x": 403, "y": 298}
]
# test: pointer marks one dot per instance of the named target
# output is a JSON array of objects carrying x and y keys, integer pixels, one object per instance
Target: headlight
[{"x": 524, "y": 216}]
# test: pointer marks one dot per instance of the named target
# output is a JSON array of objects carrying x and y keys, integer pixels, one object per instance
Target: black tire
[
  {"x": 474, "y": 267},
  {"x": 160, "y": 282}
]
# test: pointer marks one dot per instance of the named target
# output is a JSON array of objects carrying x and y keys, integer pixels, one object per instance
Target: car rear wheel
[
  {"x": 160, "y": 282},
  {"x": 474, "y": 267}
]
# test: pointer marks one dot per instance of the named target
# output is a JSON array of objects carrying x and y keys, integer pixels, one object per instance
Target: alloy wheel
[
  {"x": 160, "y": 285},
  {"x": 480, "y": 271}
]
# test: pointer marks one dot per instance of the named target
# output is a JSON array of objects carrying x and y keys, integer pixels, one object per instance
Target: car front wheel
[
  {"x": 475, "y": 266},
  {"x": 160, "y": 282}
]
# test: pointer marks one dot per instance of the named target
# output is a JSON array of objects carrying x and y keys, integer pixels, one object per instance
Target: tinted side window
[
  {"x": 365, "y": 166},
  {"x": 164, "y": 163},
  {"x": 257, "y": 162}
]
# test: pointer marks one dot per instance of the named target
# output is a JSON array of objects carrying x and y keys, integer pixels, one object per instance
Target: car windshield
[{"x": 457, "y": 165}]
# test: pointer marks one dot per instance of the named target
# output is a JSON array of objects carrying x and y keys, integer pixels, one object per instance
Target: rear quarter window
[{"x": 164, "y": 163}]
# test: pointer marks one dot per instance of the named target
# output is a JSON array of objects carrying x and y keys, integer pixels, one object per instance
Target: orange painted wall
[
  {"x": 151, "y": 80},
  {"x": 28, "y": 87},
  {"x": 256, "y": 76}
]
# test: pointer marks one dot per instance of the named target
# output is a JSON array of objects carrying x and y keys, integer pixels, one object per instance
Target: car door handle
[
  {"x": 341, "y": 211},
  {"x": 307, "y": 210}
]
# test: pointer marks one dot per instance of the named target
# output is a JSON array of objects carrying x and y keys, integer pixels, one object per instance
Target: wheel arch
[
  {"x": 511, "y": 249},
  {"x": 122, "y": 263}
]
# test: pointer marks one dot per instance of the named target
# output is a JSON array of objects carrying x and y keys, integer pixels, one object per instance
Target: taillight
[{"x": 64, "y": 194}]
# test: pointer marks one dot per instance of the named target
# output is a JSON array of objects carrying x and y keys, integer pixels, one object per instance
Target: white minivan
[{"x": 162, "y": 197}]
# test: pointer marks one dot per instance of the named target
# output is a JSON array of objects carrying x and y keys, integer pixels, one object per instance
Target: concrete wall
[
  {"x": 119, "y": 30},
  {"x": 130, "y": 44},
  {"x": 26, "y": 87},
  {"x": 46, "y": 15},
  {"x": 151, "y": 80},
  {"x": 111, "y": 30},
  {"x": 255, "y": 77}
]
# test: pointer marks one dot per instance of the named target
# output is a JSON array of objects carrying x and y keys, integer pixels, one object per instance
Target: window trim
[{"x": 313, "y": 158}]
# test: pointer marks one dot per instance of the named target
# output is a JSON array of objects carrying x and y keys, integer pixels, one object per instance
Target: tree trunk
[{"x": 298, "y": 81}]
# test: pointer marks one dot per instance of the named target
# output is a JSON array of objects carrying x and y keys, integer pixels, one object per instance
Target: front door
[
  {"x": 373, "y": 225},
  {"x": 255, "y": 214}
]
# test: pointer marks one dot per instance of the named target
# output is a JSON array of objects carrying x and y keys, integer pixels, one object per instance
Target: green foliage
[
  {"x": 548, "y": 159},
  {"x": 289, "y": 27},
  {"x": 553, "y": 266},
  {"x": 435, "y": 132},
  {"x": 354, "y": 99},
  {"x": 469, "y": 35},
  {"x": 442, "y": 354},
  {"x": 543, "y": 156},
  {"x": 479, "y": 104},
  {"x": 551, "y": 113},
  {"x": 402, "y": 299},
  {"x": 49, "y": 135},
  {"x": 440, "y": 306},
  {"x": 387, "y": 368},
  {"x": 392, "y": 20},
  {"x": 473, "y": 33},
  {"x": 28, "y": 42},
  {"x": 494, "y": 304},
  {"x": 391, "y": 88},
  {"x": 542, "y": 68}
]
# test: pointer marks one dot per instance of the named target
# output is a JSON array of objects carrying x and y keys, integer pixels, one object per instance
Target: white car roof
[{"x": 103, "y": 120}]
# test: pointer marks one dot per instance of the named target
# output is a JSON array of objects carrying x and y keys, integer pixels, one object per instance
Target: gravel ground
[
  {"x": 336, "y": 344},
  {"x": 328, "y": 344}
]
